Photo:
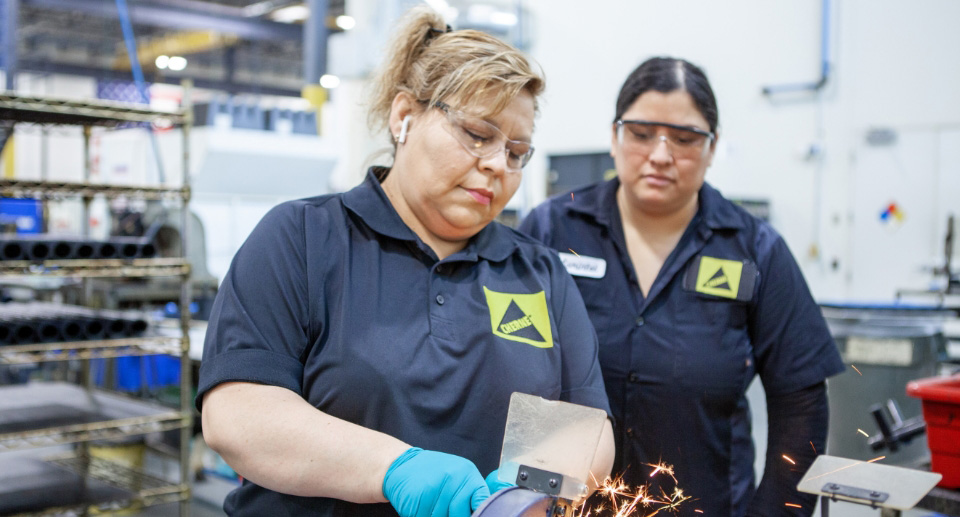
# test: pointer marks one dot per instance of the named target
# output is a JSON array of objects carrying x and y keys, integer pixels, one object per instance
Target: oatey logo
[
  {"x": 719, "y": 277},
  {"x": 520, "y": 317}
]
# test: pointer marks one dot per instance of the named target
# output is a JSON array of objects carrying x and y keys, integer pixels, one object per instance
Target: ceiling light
[
  {"x": 329, "y": 81},
  {"x": 177, "y": 63},
  {"x": 162, "y": 62},
  {"x": 291, "y": 14},
  {"x": 346, "y": 22},
  {"x": 503, "y": 18}
]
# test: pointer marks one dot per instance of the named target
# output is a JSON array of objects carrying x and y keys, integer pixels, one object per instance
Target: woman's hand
[{"x": 423, "y": 483}]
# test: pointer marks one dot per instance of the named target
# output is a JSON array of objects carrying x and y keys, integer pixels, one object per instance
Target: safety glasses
[
  {"x": 482, "y": 139},
  {"x": 642, "y": 137}
]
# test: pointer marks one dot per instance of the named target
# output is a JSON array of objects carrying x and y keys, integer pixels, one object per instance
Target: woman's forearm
[{"x": 274, "y": 438}]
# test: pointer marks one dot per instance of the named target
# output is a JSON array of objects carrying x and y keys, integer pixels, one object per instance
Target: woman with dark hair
[
  {"x": 691, "y": 298},
  {"x": 363, "y": 347}
]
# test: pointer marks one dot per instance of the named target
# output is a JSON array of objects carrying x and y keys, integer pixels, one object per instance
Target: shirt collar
[
  {"x": 371, "y": 204},
  {"x": 601, "y": 204}
]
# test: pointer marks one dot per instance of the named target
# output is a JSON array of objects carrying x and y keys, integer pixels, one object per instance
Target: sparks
[
  {"x": 699, "y": 511},
  {"x": 788, "y": 459},
  {"x": 621, "y": 501},
  {"x": 571, "y": 196},
  {"x": 845, "y": 468},
  {"x": 792, "y": 505},
  {"x": 855, "y": 368},
  {"x": 574, "y": 252},
  {"x": 863, "y": 433},
  {"x": 814, "y": 447}
]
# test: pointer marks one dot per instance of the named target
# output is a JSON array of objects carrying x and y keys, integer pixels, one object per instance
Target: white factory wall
[{"x": 893, "y": 66}]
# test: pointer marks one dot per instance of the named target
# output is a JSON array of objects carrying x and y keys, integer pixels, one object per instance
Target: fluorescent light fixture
[
  {"x": 162, "y": 62},
  {"x": 329, "y": 81},
  {"x": 346, "y": 22},
  {"x": 177, "y": 63},
  {"x": 291, "y": 14}
]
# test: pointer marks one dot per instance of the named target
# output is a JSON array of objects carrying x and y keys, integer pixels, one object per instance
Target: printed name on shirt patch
[
  {"x": 582, "y": 265},
  {"x": 724, "y": 278},
  {"x": 520, "y": 317}
]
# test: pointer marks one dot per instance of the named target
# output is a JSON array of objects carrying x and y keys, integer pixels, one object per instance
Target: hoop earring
[{"x": 403, "y": 130}]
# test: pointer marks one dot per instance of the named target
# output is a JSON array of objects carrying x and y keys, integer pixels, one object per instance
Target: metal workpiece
[{"x": 520, "y": 502}]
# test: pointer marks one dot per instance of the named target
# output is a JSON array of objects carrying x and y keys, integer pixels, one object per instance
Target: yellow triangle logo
[
  {"x": 719, "y": 277},
  {"x": 520, "y": 317}
]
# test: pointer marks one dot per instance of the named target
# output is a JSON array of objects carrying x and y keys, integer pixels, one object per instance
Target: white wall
[{"x": 894, "y": 65}]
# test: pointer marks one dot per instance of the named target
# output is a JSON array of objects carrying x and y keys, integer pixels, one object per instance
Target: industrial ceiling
[{"x": 231, "y": 45}]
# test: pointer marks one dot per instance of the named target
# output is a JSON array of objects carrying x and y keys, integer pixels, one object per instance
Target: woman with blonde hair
[{"x": 364, "y": 345}]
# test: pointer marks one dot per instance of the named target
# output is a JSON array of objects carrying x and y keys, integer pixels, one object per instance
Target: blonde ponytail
[{"x": 432, "y": 64}]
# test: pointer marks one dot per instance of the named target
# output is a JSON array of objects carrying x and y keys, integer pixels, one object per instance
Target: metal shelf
[
  {"x": 80, "y": 484},
  {"x": 59, "y": 413},
  {"x": 51, "y": 413},
  {"x": 103, "y": 268},
  {"x": 61, "y": 189},
  {"x": 47, "y": 110},
  {"x": 150, "y": 490},
  {"x": 101, "y": 349}
]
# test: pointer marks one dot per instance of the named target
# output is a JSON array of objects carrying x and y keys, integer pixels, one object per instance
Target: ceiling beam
[{"x": 156, "y": 14}]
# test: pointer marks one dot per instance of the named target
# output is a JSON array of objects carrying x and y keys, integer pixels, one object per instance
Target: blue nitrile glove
[
  {"x": 494, "y": 484},
  {"x": 423, "y": 483}
]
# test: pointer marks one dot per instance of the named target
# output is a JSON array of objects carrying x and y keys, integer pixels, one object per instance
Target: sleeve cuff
[{"x": 250, "y": 365}]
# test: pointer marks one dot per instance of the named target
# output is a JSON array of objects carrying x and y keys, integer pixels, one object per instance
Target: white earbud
[{"x": 403, "y": 130}]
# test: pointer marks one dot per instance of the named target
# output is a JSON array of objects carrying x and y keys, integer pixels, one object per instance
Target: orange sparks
[
  {"x": 861, "y": 431},
  {"x": 788, "y": 459},
  {"x": 574, "y": 252},
  {"x": 855, "y": 368},
  {"x": 845, "y": 468},
  {"x": 792, "y": 505},
  {"x": 699, "y": 511},
  {"x": 622, "y": 501},
  {"x": 571, "y": 196},
  {"x": 814, "y": 447},
  {"x": 662, "y": 467}
]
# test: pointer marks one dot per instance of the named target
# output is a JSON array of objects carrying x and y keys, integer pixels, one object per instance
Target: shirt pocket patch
[{"x": 721, "y": 278}]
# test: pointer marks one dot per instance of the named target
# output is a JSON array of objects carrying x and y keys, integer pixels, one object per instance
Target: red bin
[{"x": 941, "y": 411}]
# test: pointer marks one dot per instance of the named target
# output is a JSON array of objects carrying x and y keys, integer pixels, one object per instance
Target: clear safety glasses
[
  {"x": 482, "y": 139},
  {"x": 642, "y": 137}
]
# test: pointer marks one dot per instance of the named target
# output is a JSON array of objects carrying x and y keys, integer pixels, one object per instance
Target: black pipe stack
[
  {"x": 49, "y": 247},
  {"x": 37, "y": 322}
]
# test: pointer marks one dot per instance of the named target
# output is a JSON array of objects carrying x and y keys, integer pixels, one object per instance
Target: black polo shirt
[
  {"x": 730, "y": 302},
  {"x": 336, "y": 299}
]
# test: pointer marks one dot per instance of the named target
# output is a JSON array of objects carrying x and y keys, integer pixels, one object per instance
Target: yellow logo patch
[
  {"x": 520, "y": 317},
  {"x": 719, "y": 277}
]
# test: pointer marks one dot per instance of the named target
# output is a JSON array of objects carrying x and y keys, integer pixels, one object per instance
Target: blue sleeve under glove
[
  {"x": 423, "y": 483},
  {"x": 494, "y": 484}
]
